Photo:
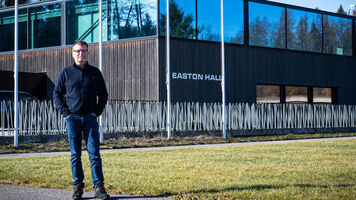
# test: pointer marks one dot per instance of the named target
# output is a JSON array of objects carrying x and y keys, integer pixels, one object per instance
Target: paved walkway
[{"x": 10, "y": 192}]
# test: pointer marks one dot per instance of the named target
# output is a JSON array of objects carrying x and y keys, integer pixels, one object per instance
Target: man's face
[{"x": 80, "y": 53}]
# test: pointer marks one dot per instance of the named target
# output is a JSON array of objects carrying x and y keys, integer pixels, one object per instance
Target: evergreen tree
[
  {"x": 341, "y": 10},
  {"x": 181, "y": 24},
  {"x": 302, "y": 33},
  {"x": 315, "y": 38}
]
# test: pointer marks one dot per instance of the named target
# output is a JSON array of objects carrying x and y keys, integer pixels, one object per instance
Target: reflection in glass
[
  {"x": 337, "y": 35},
  {"x": 234, "y": 21},
  {"x": 267, "y": 25},
  {"x": 46, "y": 24},
  {"x": 296, "y": 94},
  {"x": 322, "y": 95},
  {"x": 209, "y": 20},
  {"x": 182, "y": 18},
  {"x": 131, "y": 18},
  {"x": 304, "y": 31},
  {"x": 8, "y": 3},
  {"x": 7, "y": 30},
  {"x": 268, "y": 94},
  {"x": 83, "y": 21}
]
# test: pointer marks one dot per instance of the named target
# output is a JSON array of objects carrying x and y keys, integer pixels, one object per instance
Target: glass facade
[
  {"x": 268, "y": 94},
  {"x": 337, "y": 35},
  {"x": 304, "y": 31},
  {"x": 266, "y": 25},
  {"x": 322, "y": 95},
  {"x": 295, "y": 94},
  {"x": 269, "y": 25}
]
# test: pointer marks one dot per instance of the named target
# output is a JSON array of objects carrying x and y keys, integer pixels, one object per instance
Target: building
[{"x": 274, "y": 52}]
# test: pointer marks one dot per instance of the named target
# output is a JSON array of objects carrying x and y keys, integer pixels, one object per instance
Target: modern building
[{"x": 274, "y": 52}]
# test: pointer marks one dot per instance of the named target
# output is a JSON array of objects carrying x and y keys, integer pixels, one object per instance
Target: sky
[{"x": 325, "y": 5}]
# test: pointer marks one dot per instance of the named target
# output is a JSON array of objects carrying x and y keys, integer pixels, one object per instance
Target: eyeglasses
[{"x": 78, "y": 51}]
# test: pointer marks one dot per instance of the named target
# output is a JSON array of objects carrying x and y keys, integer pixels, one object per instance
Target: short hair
[{"x": 81, "y": 43}]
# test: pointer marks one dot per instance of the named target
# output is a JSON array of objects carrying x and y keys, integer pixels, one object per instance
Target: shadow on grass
[
  {"x": 116, "y": 197},
  {"x": 262, "y": 187}
]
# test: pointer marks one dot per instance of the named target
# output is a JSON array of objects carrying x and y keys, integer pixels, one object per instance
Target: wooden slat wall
[{"x": 130, "y": 68}]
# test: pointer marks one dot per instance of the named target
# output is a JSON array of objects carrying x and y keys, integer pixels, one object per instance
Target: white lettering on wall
[{"x": 195, "y": 76}]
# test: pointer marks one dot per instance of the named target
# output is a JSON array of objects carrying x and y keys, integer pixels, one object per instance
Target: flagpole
[
  {"x": 223, "y": 67},
  {"x": 16, "y": 89},
  {"x": 168, "y": 69},
  {"x": 100, "y": 65}
]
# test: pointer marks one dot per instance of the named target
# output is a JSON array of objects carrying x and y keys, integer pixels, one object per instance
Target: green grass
[
  {"x": 130, "y": 142},
  {"x": 300, "y": 170}
]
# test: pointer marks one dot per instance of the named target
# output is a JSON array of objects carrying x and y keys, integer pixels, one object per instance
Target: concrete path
[{"x": 10, "y": 192}]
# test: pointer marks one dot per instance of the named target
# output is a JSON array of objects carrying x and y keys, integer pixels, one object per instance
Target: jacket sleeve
[
  {"x": 59, "y": 95},
  {"x": 102, "y": 94}
]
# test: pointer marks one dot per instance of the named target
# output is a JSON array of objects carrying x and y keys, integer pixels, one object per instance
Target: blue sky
[{"x": 326, "y": 5}]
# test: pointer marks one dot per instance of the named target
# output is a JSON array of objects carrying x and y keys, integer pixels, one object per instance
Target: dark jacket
[{"x": 80, "y": 91}]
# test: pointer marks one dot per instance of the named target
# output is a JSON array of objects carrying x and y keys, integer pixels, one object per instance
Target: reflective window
[
  {"x": 268, "y": 94},
  {"x": 266, "y": 25},
  {"x": 7, "y": 28},
  {"x": 127, "y": 18},
  {"x": 83, "y": 21},
  {"x": 182, "y": 18},
  {"x": 322, "y": 95},
  {"x": 8, "y": 3},
  {"x": 209, "y": 20},
  {"x": 304, "y": 31},
  {"x": 296, "y": 94},
  {"x": 45, "y": 25},
  {"x": 337, "y": 35},
  {"x": 234, "y": 21}
]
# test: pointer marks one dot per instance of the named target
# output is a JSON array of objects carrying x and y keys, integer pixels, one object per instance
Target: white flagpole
[
  {"x": 168, "y": 69},
  {"x": 100, "y": 65},
  {"x": 16, "y": 112},
  {"x": 223, "y": 67}
]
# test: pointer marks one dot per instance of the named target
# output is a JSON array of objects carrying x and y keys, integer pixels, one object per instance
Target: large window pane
[
  {"x": 209, "y": 20},
  {"x": 268, "y": 94},
  {"x": 129, "y": 18},
  {"x": 83, "y": 21},
  {"x": 45, "y": 25},
  {"x": 234, "y": 21},
  {"x": 8, "y": 3},
  {"x": 267, "y": 25},
  {"x": 322, "y": 95},
  {"x": 182, "y": 18},
  {"x": 7, "y": 28},
  {"x": 296, "y": 94},
  {"x": 337, "y": 35},
  {"x": 304, "y": 31}
]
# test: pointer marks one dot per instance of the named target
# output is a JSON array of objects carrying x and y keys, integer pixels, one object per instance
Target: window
[
  {"x": 45, "y": 25},
  {"x": 268, "y": 94},
  {"x": 7, "y": 28},
  {"x": 182, "y": 18},
  {"x": 83, "y": 21},
  {"x": 337, "y": 35},
  {"x": 266, "y": 25},
  {"x": 304, "y": 31},
  {"x": 127, "y": 19},
  {"x": 322, "y": 95},
  {"x": 209, "y": 27},
  {"x": 234, "y": 21},
  {"x": 296, "y": 94}
]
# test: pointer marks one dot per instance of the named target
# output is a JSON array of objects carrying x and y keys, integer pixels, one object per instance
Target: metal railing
[{"x": 41, "y": 117}]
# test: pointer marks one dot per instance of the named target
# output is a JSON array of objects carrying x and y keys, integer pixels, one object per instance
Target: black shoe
[
  {"x": 78, "y": 192},
  {"x": 100, "y": 192}
]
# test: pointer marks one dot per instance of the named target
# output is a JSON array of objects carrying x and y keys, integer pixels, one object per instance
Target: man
[{"x": 80, "y": 96}]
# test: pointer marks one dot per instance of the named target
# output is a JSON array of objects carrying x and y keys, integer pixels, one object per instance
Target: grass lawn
[{"x": 300, "y": 170}]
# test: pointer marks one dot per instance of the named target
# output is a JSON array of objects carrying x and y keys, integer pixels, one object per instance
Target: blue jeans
[{"x": 86, "y": 125}]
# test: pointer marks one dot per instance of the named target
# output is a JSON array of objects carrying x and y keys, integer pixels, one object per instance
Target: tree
[
  {"x": 181, "y": 24},
  {"x": 259, "y": 32},
  {"x": 303, "y": 33},
  {"x": 315, "y": 38},
  {"x": 341, "y": 10}
]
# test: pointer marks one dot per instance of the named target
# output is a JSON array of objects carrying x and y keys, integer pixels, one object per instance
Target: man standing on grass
[{"x": 80, "y": 95}]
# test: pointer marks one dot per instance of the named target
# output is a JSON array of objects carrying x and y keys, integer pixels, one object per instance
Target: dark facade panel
[
  {"x": 130, "y": 68},
  {"x": 248, "y": 66}
]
